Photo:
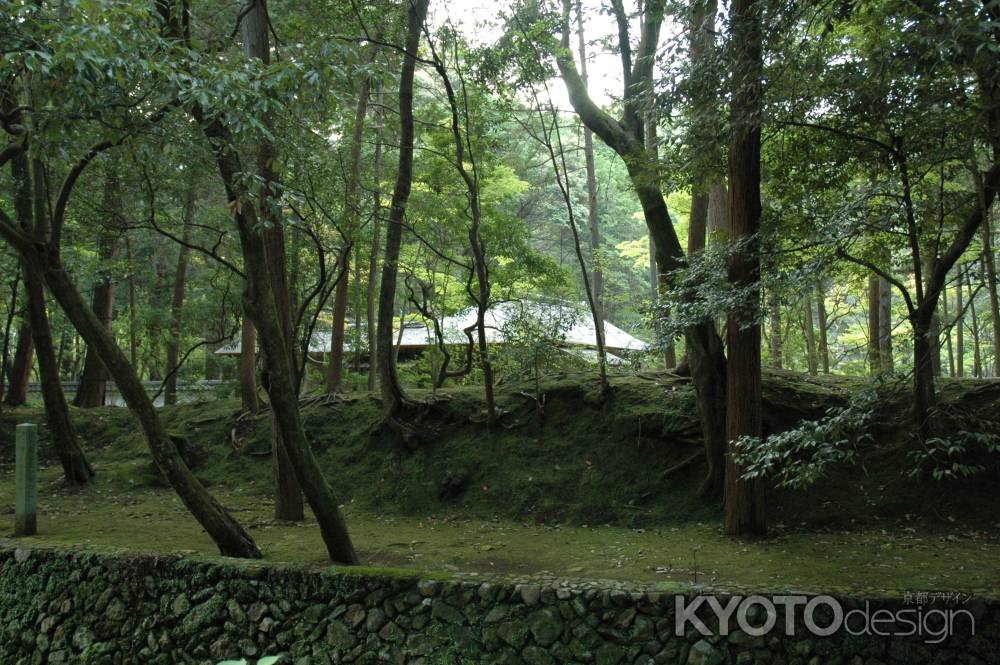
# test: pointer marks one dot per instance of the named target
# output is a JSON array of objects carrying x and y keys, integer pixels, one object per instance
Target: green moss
[{"x": 579, "y": 494}]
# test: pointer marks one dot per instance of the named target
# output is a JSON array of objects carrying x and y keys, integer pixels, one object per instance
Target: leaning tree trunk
[
  {"x": 76, "y": 468},
  {"x": 744, "y": 499},
  {"x": 227, "y": 533},
  {"x": 30, "y": 203},
  {"x": 393, "y": 396}
]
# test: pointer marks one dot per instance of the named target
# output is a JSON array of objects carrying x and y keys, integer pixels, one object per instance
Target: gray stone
[
  {"x": 513, "y": 633},
  {"x": 428, "y": 588},
  {"x": 537, "y": 656},
  {"x": 391, "y": 632},
  {"x": 376, "y": 618},
  {"x": 705, "y": 653},
  {"x": 180, "y": 605},
  {"x": 339, "y": 636},
  {"x": 546, "y": 626},
  {"x": 445, "y": 612},
  {"x": 609, "y": 654},
  {"x": 530, "y": 594}
]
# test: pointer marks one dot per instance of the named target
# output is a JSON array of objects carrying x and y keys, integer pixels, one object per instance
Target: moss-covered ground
[{"x": 577, "y": 495}]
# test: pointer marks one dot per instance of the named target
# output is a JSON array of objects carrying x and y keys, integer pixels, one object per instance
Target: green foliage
[
  {"x": 968, "y": 444},
  {"x": 799, "y": 457}
]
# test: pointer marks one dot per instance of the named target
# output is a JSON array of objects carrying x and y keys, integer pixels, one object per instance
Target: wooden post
[{"x": 26, "y": 480}]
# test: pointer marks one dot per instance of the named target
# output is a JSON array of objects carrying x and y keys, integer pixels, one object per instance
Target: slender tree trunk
[
  {"x": 8, "y": 326},
  {"x": 924, "y": 397},
  {"x": 744, "y": 499},
  {"x": 177, "y": 299},
  {"x": 93, "y": 382},
  {"x": 874, "y": 325},
  {"x": 376, "y": 247},
  {"x": 935, "y": 329},
  {"x": 288, "y": 503},
  {"x": 977, "y": 366},
  {"x": 133, "y": 305},
  {"x": 885, "y": 326},
  {"x": 593, "y": 218},
  {"x": 20, "y": 371},
  {"x": 352, "y": 205},
  {"x": 774, "y": 327},
  {"x": 809, "y": 328},
  {"x": 960, "y": 326},
  {"x": 393, "y": 396},
  {"x": 989, "y": 260},
  {"x": 30, "y": 204},
  {"x": 946, "y": 315},
  {"x": 824, "y": 347}
]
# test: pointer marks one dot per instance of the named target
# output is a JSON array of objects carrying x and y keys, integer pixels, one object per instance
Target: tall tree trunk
[
  {"x": 376, "y": 247},
  {"x": 177, "y": 299},
  {"x": 885, "y": 326},
  {"x": 30, "y": 203},
  {"x": 809, "y": 328},
  {"x": 393, "y": 396},
  {"x": 133, "y": 305},
  {"x": 977, "y": 366},
  {"x": 656, "y": 281},
  {"x": 774, "y": 327},
  {"x": 7, "y": 328},
  {"x": 824, "y": 347},
  {"x": 946, "y": 316},
  {"x": 935, "y": 329},
  {"x": 924, "y": 393},
  {"x": 990, "y": 269},
  {"x": 593, "y": 218},
  {"x": 288, "y": 504},
  {"x": 744, "y": 499},
  {"x": 352, "y": 205},
  {"x": 20, "y": 370},
  {"x": 960, "y": 326},
  {"x": 248, "y": 366},
  {"x": 626, "y": 137},
  {"x": 93, "y": 382},
  {"x": 874, "y": 325}
]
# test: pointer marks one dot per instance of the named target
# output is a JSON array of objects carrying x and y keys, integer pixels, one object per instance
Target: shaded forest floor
[{"x": 577, "y": 495}]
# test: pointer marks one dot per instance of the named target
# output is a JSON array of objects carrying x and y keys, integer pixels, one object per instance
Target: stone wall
[{"x": 70, "y": 607}]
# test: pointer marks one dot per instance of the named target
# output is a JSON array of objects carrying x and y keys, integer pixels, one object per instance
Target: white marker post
[{"x": 26, "y": 481}]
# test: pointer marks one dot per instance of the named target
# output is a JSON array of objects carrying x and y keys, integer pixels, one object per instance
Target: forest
[{"x": 717, "y": 266}]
